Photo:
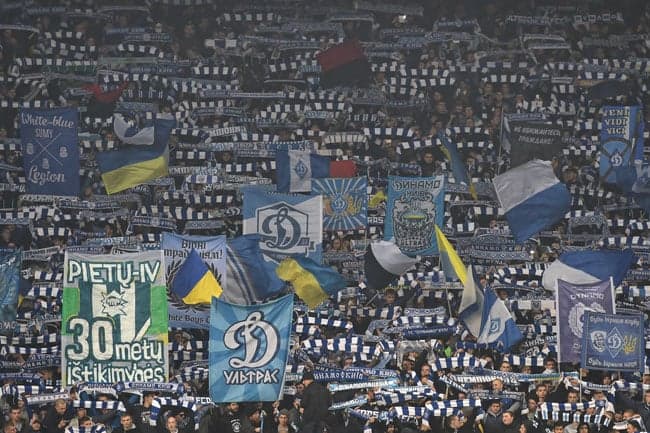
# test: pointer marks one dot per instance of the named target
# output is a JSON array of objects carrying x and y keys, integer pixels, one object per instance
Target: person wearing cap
[{"x": 315, "y": 401}]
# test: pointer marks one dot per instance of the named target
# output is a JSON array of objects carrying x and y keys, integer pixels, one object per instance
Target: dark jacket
[
  {"x": 315, "y": 400},
  {"x": 234, "y": 423},
  {"x": 624, "y": 401},
  {"x": 51, "y": 421},
  {"x": 492, "y": 423}
]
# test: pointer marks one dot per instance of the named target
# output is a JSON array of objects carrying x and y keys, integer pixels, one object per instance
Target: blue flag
[
  {"x": 288, "y": 224},
  {"x": 249, "y": 346},
  {"x": 50, "y": 150},
  {"x": 572, "y": 301},
  {"x": 415, "y": 206},
  {"x": 9, "y": 285},
  {"x": 613, "y": 342},
  {"x": 621, "y": 139},
  {"x": 486, "y": 316},
  {"x": 251, "y": 275},
  {"x": 345, "y": 202}
]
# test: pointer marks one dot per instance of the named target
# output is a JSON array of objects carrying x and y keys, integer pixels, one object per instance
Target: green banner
[{"x": 114, "y": 320}]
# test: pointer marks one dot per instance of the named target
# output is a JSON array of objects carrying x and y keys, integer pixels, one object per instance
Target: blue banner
[
  {"x": 249, "y": 346},
  {"x": 415, "y": 205},
  {"x": 621, "y": 139},
  {"x": 572, "y": 301},
  {"x": 288, "y": 224},
  {"x": 613, "y": 342},
  {"x": 212, "y": 250},
  {"x": 50, "y": 148},
  {"x": 345, "y": 202},
  {"x": 9, "y": 285}
]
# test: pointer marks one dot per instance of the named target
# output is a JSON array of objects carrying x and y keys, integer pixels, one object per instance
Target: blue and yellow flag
[
  {"x": 194, "y": 283},
  {"x": 449, "y": 260},
  {"x": 133, "y": 165},
  {"x": 458, "y": 167},
  {"x": 312, "y": 282}
]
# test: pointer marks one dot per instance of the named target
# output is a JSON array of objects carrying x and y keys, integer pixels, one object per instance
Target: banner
[
  {"x": 114, "y": 320},
  {"x": 249, "y": 346},
  {"x": 9, "y": 285},
  {"x": 572, "y": 301},
  {"x": 415, "y": 205},
  {"x": 531, "y": 140},
  {"x": 288, "y": 224},
  {"x": 212, "y": 250},
  {"x": 345, "y": 202},
  {"x": 348, "y": 264},
  {"x": 621, "y": 139},
  {"x": 613, "y": 342},
  {"x": 50, "y": 148}
]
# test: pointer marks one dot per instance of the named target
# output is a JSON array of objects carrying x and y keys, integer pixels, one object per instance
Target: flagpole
[{"x": 500, "y": 142}]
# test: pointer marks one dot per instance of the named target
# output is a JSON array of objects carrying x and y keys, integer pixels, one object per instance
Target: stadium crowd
[{"x": 436, "y": 69}]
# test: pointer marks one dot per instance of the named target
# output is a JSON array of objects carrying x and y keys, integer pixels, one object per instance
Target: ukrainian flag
[
  {"x": 312, "y": 282},
  {"x": 194, "y": 283},
  {"x": 136, "y": 164},
  {"x": 449, "y": 260}
]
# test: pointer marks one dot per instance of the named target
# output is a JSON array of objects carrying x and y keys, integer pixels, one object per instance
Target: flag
[
  {"x": 470, "y": 311},
  {"x": 613, "y": 342},
  {"x": 635, "y": 182},
  {"x": 212, "y": 251},
  {"x": 133, "y": 165},
  {"x": 102, "y": 104},
  {"x": 312, "y": 282},
  {"x": 377, "y": 199},
  {"x": 384, "y": 262},
  {"x": 532, "y": 197},
  {"x": 345, "y": 202},
  {"x": 249, "y": 348},
  {"x": 498, "y": 328},
  {"x": 344, "y": 64},
  {"x": 621, "y": 139},
  {"x": 250, "y": 276},
  {"x": 194, "y": 283},
  {"x": 114, "y": 318},
  {"x": 50, "y": 149},
  {"x": 458, "y": 167},
  {"x": 9, "y": 285},
  {"x": 608, "y": 89},
  {"x": 287, "y": 224},
  {"x": 571, "y": 303},
  {"x": 296, "y": 168},
  {"x": 450, "y": 263},
  {"x": 530, "y": 140},
  {"x": 415, "y": 205},
  {"x": 486, "y": 316},
  {"x": 130, "y": 134},
  {"x": 585, "y": 267}
]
